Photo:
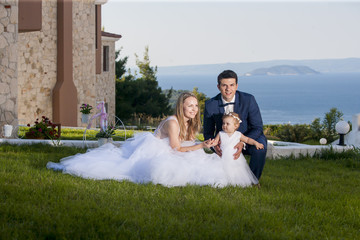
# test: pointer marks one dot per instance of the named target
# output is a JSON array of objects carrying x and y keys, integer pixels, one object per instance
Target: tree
[
  {"x": 326, "y": 128},
  {"x": 120, "y": 64},
  {"x": 316, "y": 129},
  {"x": 201, "y": 97},
  {"x": 146, "y": 70},
  {"x": 141, "y": 96},
  {"x": 174, "y": 95},
  {"x": 329, "y": 122}
]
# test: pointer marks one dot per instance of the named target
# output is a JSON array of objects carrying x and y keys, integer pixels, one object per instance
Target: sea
[{"x": 293, "y": 99}]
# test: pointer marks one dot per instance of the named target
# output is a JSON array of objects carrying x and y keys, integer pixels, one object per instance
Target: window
[
  {"x": 106, "y": 59},
  {"x": 30, "y": 15},
  {"x": 106, "y": 107},
  {"x": 96, "y": 28},
  {"x": 98, "y": 39}
]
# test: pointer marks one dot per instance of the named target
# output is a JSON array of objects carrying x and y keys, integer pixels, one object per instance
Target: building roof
[{"x": 111, "y": 35}]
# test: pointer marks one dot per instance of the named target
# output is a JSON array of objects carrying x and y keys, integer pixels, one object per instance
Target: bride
[{"x": 169, "y": 156}]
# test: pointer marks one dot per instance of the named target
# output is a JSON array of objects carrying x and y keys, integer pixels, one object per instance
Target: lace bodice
[{"x": 161, "y": 132}]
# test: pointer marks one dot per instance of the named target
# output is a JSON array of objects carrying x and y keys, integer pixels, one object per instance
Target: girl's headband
[{"x": 238, "y": 119}]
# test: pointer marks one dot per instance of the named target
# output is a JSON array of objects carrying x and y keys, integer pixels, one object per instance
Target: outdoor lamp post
[
  {"x": 342, "y": 128},
  {"x": 323, "y": 141}
]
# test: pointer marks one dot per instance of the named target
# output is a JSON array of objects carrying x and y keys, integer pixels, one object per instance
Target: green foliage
[
  {"x": 147, "y": 72},
  {"x": 107, "y": 133},
  {"x": 201, "y": 98},
  {"x": 120, "y": 64},
  {"x": 174, "y": 96},
  {"x": 85, "y": 108},
  {"x": 330, "y": 154},
  {"x": 271, "y": 130},
  {"x": 43, "y": 129},
  {"x": 303, "y": 133},
  {"x": 141, "y": 96},
  {"x": 176, "y": 93},
  {"x": 78, "y": 133},
  {"x": 294, "y": 133},
  {"x": 316, "y": 129},
  {"x": 329, "y": 122},
  {"x": 307, "y": 198}
]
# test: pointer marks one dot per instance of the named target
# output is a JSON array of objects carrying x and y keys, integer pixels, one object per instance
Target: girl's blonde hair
[
  {"x": 194, "y": 124},
  {"x": 235, "y": 117}
]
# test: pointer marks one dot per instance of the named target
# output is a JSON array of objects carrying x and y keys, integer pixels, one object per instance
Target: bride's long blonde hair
[{"x": 194, "y": 124}]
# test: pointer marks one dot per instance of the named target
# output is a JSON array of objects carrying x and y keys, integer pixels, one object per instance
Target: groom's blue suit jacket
[{"x": 245, "y": 106}]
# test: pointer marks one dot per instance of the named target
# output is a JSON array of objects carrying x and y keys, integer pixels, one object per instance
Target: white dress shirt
[{"x": 228, "y": 108}]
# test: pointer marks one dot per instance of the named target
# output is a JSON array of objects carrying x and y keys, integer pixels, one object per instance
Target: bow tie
[{"x": 226, "y": 104}]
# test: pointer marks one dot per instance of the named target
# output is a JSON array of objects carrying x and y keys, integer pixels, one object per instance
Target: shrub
[
  {"x": 294, "y": 133},
  {"x": 43, "y": 129}
]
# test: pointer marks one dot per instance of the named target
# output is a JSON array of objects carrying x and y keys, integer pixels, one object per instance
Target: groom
[{"x": 231, "y": 100}]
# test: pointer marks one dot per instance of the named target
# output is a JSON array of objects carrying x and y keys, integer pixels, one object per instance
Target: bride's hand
[{"x": 209, "y": 143}]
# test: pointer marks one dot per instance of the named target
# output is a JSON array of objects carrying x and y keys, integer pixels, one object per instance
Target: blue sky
[{"x": 209, "y": 32}]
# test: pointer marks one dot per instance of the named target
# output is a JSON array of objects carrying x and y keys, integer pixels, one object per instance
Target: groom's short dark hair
[{"x": 227, "y": 74}]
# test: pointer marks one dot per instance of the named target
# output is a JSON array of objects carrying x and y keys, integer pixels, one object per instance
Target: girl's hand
[
  {"x": 259, "y": 146},
  {"x": 209, "y": 143}
]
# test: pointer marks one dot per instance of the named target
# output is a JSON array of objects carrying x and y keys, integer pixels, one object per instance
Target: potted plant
[
  {"x": 85, "y": 109},
  {"x": 43, "y": 129},
  {"x": 105, "y": 135}
]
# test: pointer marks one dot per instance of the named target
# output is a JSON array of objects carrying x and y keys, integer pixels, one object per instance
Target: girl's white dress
[
  {"x": 237, "y": 171},
  {"x": 149, "y": 158}
]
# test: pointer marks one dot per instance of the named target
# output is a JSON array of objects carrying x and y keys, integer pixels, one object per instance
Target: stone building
[{"x": 53, "y": 58}]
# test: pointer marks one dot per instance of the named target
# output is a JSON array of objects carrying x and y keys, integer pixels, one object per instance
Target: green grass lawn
[
  {"x": 78, "y": 133},
  {"x": 306, "y": 198}
]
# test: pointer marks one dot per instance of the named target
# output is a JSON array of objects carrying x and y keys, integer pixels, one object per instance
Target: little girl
[{"x": 238, "y": 171}]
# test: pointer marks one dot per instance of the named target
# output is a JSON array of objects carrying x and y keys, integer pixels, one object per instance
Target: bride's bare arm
[{"x": 172, "y": 128}]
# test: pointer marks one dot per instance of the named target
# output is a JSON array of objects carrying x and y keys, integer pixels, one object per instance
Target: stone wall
[
  {"x": 28, "y": 63},
  {"x": 84, "y": 52},
  {"x": 105, "y": 82},
  {"x": 37, "y": 53},
  {"x": 8, "y": 62}
]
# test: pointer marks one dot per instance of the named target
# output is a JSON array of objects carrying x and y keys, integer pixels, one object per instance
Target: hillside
[
  {"x": 282, "y": 70},
  {"x": 319, "y": 65}
]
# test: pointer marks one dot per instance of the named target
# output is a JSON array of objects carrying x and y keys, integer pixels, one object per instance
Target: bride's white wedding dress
[{"x": 149, "y": 158}]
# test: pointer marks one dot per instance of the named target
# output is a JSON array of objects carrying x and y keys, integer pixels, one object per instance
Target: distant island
[
  {"x": 282, "y": 70},
  {"x": 344, "y": 65}
]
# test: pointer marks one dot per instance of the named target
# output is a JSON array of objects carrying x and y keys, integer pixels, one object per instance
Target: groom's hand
[{"x": 239, "y": 148}]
